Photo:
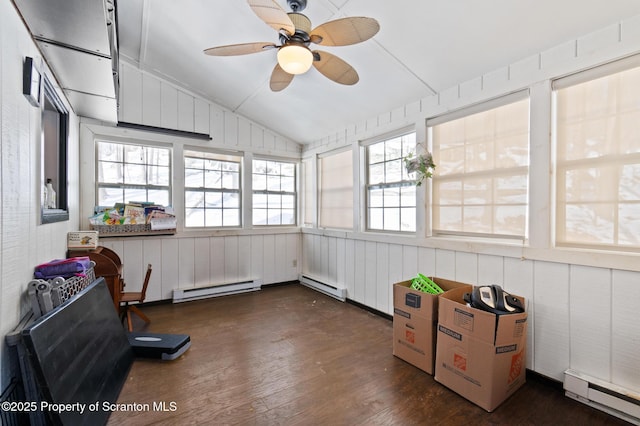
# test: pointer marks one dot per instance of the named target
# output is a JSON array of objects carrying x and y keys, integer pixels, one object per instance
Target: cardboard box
[
  {"x": 82, "y": 240},
  {"x": 415, "y": 315},
  {"x": 480, "y": 355}
]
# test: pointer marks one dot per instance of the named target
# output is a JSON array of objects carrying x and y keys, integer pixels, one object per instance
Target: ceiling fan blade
[
  {"x": 273, "y": 15},
  {"x": 280, "y": 79},
  {"x": 239, "y": 49},
  {"x": 345, "y": 31},
  {"x": 335, "y": 68}
]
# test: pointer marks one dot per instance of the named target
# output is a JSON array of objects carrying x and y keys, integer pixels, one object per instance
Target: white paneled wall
[
  {"x": 24, "y": 242},
  {"x": 582, "y": 306},
  {"x": 625, "y": 336},
  {"x": 203, "y": 261},
  {"x": 152, "y": 101}
]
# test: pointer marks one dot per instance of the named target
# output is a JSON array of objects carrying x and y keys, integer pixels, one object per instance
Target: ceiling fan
[{"x": 295, "y": 33}]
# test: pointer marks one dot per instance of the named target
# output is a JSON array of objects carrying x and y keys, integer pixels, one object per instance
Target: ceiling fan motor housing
[
  {"x": 301, "y": 22},
  {"x": 303, "y": 28}
]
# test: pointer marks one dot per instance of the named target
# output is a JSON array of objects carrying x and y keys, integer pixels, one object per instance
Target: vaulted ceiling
[{"x": 423, "y": 47}]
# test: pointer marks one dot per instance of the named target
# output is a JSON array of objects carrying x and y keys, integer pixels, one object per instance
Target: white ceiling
[{"x": 424, "y": 46}]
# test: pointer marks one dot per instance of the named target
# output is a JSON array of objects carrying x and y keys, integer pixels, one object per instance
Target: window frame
[
  {"x": 321, "y": 199},
  {"x": 296, "y": 165},
  {"x": 220, "y": 156},
  {"x": 146, "y": 187},
  {"x": 493, "y": 173},
  {"x": 407, "y": 180},
  {"x": 600, "y": 163},
  {"x": 54, "y": 144},
  {"x": 309, "y": 195}
]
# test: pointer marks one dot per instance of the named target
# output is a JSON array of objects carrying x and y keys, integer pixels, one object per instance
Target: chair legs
[
  {"x": 128, "y": 297},
  {"x": 132, "y": 308}
]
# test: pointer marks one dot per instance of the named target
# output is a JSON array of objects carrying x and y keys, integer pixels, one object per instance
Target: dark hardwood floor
[{"x": 288, "y": 355}]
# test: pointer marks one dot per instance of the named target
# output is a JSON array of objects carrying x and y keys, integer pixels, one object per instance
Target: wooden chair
[
  {"x": 126, "y": 298},
  {"x": 109, "y": 266}
]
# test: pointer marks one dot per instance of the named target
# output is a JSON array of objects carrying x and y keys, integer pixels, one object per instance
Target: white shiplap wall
[
  {"x": 582, "y": 306},
  {"x": 150, "y": 100},
  {"x": 24, "y": 242},
  {"x": 202, "y": 261},
  {"x": 191, "y": 258}
]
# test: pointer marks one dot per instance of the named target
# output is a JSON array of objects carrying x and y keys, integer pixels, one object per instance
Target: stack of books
[{"x": 150, "y": 215}]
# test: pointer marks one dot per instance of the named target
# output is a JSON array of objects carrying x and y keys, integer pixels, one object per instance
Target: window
[
  {"x": 391, "y": 191},
  {"x": 598, "y": 157},
  {"x": 480, "y": 186},
  {"x": 274, "y": 192},
  {"x": 55, "y": 123},
  {"x": 127, "y": 172},
  {"x": 212, "y": 189},
  {"x": 308, "y": 193},
  {"x": 335, "y": 192}
]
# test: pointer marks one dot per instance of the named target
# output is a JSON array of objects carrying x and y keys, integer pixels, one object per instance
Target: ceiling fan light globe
[{"x": 295, "y": 59}]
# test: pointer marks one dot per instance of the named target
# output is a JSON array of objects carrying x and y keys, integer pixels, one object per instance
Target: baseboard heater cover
[
  {"x": 330, "y": 290},
  {"x": 615, "y": 400},
  {"x": 188, "y": 294}
]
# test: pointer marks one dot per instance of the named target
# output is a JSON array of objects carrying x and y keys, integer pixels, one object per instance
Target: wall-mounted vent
[
  {"x": 330, "y": 290},
  {"x": 604, "y": 396},
  {"x": 185, "y": 295}
]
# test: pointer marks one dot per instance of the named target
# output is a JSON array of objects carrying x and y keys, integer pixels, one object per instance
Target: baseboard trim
[{"x": 370, "y": 309}]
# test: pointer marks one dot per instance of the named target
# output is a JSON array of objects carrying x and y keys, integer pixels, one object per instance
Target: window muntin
[
  {"x": 598, "y": 160},
  {"x": 335, "y": 189},
  {"x": 274, "y": 192},
  {"x": 128, "y": 172},
  {"x": 391, "y": 192},
  {"x": 212, "y": 190},
  {"x": 480, "y": 185}
]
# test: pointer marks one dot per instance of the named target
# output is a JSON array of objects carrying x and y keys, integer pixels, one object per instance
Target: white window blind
[
  {"x": 597, "y": 135},
  {"x": 480, "y": 184},
  {"x": 335, "y": 171}
]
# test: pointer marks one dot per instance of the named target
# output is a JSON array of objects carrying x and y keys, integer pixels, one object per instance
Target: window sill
[
  {"x": 137, "y": 234},
  {"x": 230, "y": 232},
  {"x": 629, "y": 261},
  {"x": 54, "y": 215}
]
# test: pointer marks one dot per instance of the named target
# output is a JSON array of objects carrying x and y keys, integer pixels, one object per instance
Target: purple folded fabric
[{"x": 65, "y": 268}]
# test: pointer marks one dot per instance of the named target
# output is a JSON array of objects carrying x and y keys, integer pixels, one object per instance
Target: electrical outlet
[{"x": 295, "y": 263}]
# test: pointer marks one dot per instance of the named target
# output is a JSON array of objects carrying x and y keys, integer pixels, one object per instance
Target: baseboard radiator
[
  {"x": 330, "y": 290},
  {"x": 188, "y": 294},
  {"x": 604, "y": 396}
]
